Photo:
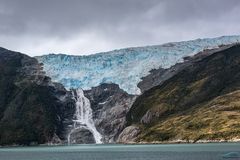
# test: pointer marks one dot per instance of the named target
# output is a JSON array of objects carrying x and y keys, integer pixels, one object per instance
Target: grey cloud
[{"x": 87, "y": 26}]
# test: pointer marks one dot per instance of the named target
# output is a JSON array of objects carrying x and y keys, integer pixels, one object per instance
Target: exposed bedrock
[
  {"x": 33, "y": 109},
  {"x": 81, "y": 136},
  {"x": 110, "y": 105}
]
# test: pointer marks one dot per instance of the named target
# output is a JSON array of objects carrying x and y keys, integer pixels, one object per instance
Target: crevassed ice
[{"x": 124, "y": 67}]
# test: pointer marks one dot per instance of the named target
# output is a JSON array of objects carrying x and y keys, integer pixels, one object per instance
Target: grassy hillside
[{"x": 200, "y": 102}]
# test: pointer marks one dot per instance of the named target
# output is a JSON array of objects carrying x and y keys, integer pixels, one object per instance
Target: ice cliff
[{"x": 124, "y": 67}]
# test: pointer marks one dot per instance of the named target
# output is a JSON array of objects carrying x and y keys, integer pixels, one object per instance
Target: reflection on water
[{"x": 232, "y": 156}]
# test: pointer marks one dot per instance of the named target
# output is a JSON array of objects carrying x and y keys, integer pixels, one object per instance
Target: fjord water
[{"x": 213, "y": 151}]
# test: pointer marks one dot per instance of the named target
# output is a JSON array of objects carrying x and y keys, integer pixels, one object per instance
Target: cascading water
[{"x": 83, "y": 116}]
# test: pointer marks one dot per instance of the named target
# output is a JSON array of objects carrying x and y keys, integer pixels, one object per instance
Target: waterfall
[{"x": 83, "y": 116}]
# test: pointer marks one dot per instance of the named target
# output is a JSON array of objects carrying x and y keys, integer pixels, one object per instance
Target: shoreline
[
  {"x": 179, "y": 141},
  {"x": 186, "y": 142},
  {"x": 132, "y": 143}
]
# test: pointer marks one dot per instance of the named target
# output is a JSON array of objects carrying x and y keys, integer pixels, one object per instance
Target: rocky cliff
[
  {"x": 33, "y": 110},
  {"x": 110, "y": 105}
]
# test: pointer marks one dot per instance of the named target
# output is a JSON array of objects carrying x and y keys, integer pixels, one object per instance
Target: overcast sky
[{"x": 80, "y": 27}]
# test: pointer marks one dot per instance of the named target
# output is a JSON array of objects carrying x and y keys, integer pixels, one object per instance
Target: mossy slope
[{"x": 200, "y": 102}]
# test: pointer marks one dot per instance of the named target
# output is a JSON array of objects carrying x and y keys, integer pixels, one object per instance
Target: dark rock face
[
  {"x": 199, "y": 102},
  {"x": 110, "y": 105},
  {"x": 32, "y": 108},
  {"x": 82, "y": 136}
]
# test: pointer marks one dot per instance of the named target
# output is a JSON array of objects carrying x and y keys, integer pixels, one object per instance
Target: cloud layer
[{"x": 88, "y": 26}]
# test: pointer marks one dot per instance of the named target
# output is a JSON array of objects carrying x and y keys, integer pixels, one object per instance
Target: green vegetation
[{"x": 200, "y": 102}]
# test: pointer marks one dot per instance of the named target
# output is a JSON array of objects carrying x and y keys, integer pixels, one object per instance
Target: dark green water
[{"x": 212, "y": 151}]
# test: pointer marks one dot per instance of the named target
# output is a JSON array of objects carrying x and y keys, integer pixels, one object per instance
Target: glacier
[{"x": 124, "y": 67}]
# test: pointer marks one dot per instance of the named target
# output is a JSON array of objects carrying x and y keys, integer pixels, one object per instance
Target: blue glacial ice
[{"x": 124, "y": 67}]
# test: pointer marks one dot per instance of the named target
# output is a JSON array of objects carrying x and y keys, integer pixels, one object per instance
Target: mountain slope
[
  {"x": 31, "y": 106},
  {"x": 124, "y": 67},
  {"x": 201, "y": 102},
  {"x": 197, "y": 99}
]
